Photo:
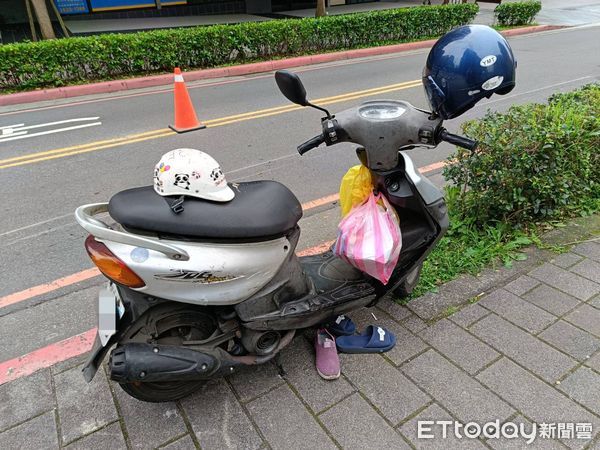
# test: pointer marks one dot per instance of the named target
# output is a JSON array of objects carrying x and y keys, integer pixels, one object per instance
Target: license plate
[{"x": 109, "y": 306}]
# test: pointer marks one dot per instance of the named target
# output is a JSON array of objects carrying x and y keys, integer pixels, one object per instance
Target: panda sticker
[{"x": 182, "y": 180}]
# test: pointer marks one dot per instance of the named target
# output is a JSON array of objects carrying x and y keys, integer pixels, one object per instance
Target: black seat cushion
[{"x": 259, "y": 209}]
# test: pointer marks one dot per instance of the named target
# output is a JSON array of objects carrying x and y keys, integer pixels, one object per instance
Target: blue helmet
[{"x": 466, "y": 65}]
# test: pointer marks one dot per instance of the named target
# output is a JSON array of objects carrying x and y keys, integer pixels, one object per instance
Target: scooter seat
[{"x": 259, "y": 210}]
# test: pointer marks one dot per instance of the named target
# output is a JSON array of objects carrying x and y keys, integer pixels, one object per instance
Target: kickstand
[{"x": 279, "y": 365}]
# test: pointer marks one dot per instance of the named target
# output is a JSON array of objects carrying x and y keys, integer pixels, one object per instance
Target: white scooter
[{"x": 197, "y": 295}]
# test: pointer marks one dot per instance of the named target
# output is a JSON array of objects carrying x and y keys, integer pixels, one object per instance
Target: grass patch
[{"x": 466, "y": 249}]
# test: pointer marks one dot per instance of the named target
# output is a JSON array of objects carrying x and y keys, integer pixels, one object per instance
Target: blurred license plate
[{"x": 109, "y": 305}]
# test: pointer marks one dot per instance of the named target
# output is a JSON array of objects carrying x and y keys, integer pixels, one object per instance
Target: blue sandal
[
  {"x": 342, "y": 326},
  {"x": 373, "y": 340}
]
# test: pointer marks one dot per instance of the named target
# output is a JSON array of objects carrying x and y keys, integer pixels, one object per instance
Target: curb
[{"x": 243, "y": 69}]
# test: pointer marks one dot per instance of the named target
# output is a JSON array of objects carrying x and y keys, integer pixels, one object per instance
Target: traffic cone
[{"x": 185, "y": 116}]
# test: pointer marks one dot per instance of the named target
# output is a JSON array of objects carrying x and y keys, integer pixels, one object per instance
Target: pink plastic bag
[{"x": 369, "y": 238}]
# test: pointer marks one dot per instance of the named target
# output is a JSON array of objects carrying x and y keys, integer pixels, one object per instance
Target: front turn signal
[{"x": 110, "y": 265}]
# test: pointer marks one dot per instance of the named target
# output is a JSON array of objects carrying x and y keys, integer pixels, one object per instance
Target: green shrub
[
  {"x": 536, "y": 162},
  {"x": 520, "y": 13},
  {"x": 75, "y": 60}
]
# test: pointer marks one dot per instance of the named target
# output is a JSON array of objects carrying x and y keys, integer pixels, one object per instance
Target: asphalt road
[{"x": 45, "y": 177}]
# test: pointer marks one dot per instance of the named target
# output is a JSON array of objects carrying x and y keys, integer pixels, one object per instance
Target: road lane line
[
  {"x": 122, "y": 139},
  {"x": 48, "y": 287},
  {"x": 46, "y": 356},
  {"x": 77, "y": 152},
  {"x": 60, "y": 153},
  {"x": 43, "y": 133},
  {"x": 59, "y": 122}
]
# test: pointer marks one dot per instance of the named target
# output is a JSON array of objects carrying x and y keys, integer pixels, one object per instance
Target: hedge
[
  {"x": 534, "y": 163},
  {"x": 74, "y": 60},
  {"x": 519, "y": 13}
]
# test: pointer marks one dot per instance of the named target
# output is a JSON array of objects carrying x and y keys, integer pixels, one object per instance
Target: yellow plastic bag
[{"x": 355, "y": 188}]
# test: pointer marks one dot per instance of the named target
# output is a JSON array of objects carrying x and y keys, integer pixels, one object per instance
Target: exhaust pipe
[
  {"x": 154, "y": 363},
  {"x": 138, "y": 362}
]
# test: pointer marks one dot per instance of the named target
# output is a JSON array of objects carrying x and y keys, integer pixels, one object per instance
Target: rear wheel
[
  {"x": 169, "y": 328},
  {"x": 409, "y": 284}
]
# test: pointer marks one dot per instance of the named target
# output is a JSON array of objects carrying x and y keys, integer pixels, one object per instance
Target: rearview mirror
[{"x": 290, "y": 85}]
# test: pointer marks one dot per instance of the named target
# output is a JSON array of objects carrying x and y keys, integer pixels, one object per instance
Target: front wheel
[{"x": 409, "y": 284}]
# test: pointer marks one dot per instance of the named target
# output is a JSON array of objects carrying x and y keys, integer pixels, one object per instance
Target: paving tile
[
  {"x": 534, "y": 398},
  {"x": 286, "y": 423},
  {"x": 589, "y": 250},
  {"x": 550, "y": 299},
  {"x": 392, "y": 393},
  {"x": 69, "y": 363},
  {"x": 298, "y": 361},
  {"x": 83, "y": 407},
  {"x": 571, "y": 283},
  {"x": 414, "y": 323},
  {"x": 519, "y": 443},
  {"x": 35, "y": 434},
  {"x": 250, "y": 382},
  {"x": 579, "y": 344},
  {"x": 434, "y": 413},
  {"x": 218, "y": 420},
  {"x": 25, "y": 398},
  {"x": 585, "y": 317},
  {"x": 462, "y": 395},
  {"x": 468, "y": 315},
  {"x": 521, "y": 285},
  {"x": 566, "y": 260},
  {"x": 458, "y": 345},
  {"x": 594, "y": 362},
  {"x": 583, "y": 385},
  {"x": 185, "y": 443},
  {"x": 398, "y": 312},
  {"x": 517, "y": 310},
  {"x": 595, "y": 302},
  {"x": 524, "y": 348},
  {"x": 107, "y": 438},
  {"x": 588, "y": 268},
  {"x": 354, "y": 424},
  {"x": 149, "y": 424},
  {"x": 455, "y": 293}
]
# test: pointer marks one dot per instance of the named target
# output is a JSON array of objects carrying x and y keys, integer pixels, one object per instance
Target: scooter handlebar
[
  {"x": 455, "y": 139},
  {"x": 311, "y": 143}
]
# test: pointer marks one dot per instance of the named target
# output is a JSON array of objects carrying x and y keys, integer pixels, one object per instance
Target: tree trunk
[
  {"x": 41, "y": 11},
  {"x": 320, "y": 9}
]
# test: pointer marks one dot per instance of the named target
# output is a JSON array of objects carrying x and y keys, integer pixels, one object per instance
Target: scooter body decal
[{"x": 190, "y": 276}]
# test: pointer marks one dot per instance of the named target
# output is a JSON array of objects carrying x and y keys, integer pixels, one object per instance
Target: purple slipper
[{"x": 327, "y": 359}]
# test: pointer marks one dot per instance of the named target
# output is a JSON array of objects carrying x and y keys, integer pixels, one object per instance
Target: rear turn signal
[{"x": 111, "y": 266}]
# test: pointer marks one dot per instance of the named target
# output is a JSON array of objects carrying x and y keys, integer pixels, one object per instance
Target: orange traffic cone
[{"x": 185, "y": 116}]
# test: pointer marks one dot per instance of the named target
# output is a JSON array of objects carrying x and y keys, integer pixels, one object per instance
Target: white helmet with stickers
[{"x": 185, "y": 171}]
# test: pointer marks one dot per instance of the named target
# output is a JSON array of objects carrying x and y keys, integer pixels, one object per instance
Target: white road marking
[{"x": 20, "y": 131}]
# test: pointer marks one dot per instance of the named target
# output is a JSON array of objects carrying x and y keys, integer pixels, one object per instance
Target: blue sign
[
  {"x": 109, "y": 5},
  {"x": 71, "y": 6}
]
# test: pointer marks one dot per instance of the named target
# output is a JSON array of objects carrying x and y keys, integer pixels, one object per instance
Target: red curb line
[
  {"x": 242, "y": 69},
  {"x": 46, "y": 356}
]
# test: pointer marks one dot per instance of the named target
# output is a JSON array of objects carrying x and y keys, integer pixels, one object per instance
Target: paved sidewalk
[{"x": 527, "y": 351}]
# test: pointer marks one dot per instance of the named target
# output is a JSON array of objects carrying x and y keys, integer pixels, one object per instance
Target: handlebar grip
[
  {"x": 310, "y": 144},
  {"x": 460, "y": 141}
]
